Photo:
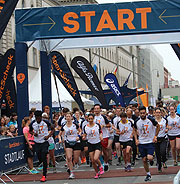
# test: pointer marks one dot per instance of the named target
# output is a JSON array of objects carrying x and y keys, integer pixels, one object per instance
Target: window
[{"x": 35, "y": 64}]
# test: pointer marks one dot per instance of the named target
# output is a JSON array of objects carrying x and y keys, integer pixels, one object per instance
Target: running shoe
[
  {"x": 43, "y": 179},
  {"x": 106, "y": 167},
  {"x": 129, "y": 168},
  {"x": 118, "y": 164},
  {"x": 151, "y": 162},
  {"x": 148, "y": 178},
  {"x": 68, "y": 171},
  {"x": 125, "y": 168},
  {"x": 101, "y": 170},
  {"x": 159, "y": 170},
  {"x": 97, "y": 176},
  {"x": 76, "y": 166},
  {"x": 33, "y": 171},
  {"x": 83, "y": 160},
  {"x": 133, "y": 164},
  {"x": 71, "y": 176},
  {"x": 164, "y": 165},
  {"x": 40, "y": 168},
  {"x": 175, "y": 163}
]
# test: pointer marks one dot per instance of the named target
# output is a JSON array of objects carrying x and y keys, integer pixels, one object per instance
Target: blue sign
[
  {"x": 113, "y": 84},
  {"x": 98, "y": 20},
  {"x": 13, "y": 152}
]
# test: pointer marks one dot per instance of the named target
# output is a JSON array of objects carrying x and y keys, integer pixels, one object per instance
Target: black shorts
[
  {"x": 93, "y": 147},
  {"x": 116, "y": 138},
  {"x": 146, "y": 149},
  {"x": 83, "y": 144},
  {"x": 28, "y": 152},
  {"x": 171, "y": 138},
  {"x": 77, "y": 146},
  {"x": 125, "y": 144}
]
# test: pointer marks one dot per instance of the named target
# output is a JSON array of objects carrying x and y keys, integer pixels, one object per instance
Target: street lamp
[{"x": 159, "y": 95}]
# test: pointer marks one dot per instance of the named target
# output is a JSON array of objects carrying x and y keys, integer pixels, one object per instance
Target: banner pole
[{"x": 57, "y": 90}]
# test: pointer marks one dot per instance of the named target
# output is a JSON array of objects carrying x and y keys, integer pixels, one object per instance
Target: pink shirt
[{"x": 30, "y": 136}]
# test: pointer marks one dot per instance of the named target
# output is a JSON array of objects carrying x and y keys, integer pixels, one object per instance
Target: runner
[
  {"x": 41, "y": 136},
  {"x": 174, "y": 133},
  {"x": 80, "y": 120},
  {"x": 145, "y": 128},
  {"x": 94, "y": 137},
  {"x": 72, "y": 134},
  {"x": 129, "y": 113},
  {"x": 126, "y": 139},
  {"x": 102, "y": 120},
  {"x": 115, "y": 122},
  {"x": 161, "y": 145},
  {"x": 29, "y": 146}
]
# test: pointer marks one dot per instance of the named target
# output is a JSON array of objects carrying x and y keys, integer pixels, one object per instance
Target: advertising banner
[
  {"x": 84, "y": 69},
  {"x": 6, "y": 9},
  {"x": 64, "y": 74},
  {"x": 13, "y": 152},
  {"x": 7, "y": 66},
  {"x": 111, "y": 80},
  {"x": 176, "y": 48}
]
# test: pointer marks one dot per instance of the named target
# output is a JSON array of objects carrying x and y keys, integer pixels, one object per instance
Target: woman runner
[
  {"x": 72, "y": 142},
  {"x": 126, "y": 139},
  {"x": 94, "y": 136},
  {"x": 161, "y": 145},
  {"x": 174, "y": 133}
]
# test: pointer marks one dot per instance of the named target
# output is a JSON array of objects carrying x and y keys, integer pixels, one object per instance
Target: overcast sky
[{"x": 171, "y": 61}]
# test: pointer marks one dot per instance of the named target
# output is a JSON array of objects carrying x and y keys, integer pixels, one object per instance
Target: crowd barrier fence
[{"x": 12, "y": 151}]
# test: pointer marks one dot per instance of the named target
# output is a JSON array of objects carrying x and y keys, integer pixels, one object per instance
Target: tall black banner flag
[
  {"x": 7, "y": 66},
  {"x": 64, "y": 74},
  {"x": 176, "y": 48},
  {"x": 84, "y": 69},
  {"x": 11, "y": 97},
  {"x": 6, "y": 9}
]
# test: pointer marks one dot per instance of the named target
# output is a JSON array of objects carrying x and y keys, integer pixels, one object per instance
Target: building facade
[{"x": 151, "y": 71}]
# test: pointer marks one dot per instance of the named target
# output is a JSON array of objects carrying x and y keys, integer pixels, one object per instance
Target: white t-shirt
[
  {"x": 42, "y": 129},
  {"x": 93, "y": 133},
  {"x": 128, "y": 128},
  {"x": 100, "y": 120},
  {"x": 115, "y": 121},
  {"x": 162, "y": 130},
  {"x": 174, "y": 123},
  {"x": 70, "y": 133},
  {"x": 146, "y": 130}
]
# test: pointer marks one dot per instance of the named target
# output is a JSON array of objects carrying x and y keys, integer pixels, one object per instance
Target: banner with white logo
[
  {"x": 113, "y": 84},
  {"x": 84, "y": 69}
]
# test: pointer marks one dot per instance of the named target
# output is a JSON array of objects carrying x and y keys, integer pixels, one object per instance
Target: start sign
[{"x": 98, "y": 20}]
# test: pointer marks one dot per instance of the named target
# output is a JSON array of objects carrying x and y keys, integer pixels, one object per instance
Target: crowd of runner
[{"x": 99, "y": 135}]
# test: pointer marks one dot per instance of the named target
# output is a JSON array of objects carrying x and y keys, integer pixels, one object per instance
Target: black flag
[
  {"x": 88, "y": 75},
  {"x": 6, "y": 9},
  {"x": 7, "y": 66},
  {"x": 64, "y": 74},
  {"x": 11, "y": 97},
  {"x": 176, "y": 48}
]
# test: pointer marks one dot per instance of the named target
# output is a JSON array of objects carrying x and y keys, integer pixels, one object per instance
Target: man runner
[{"x": 145, "y": 128}]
